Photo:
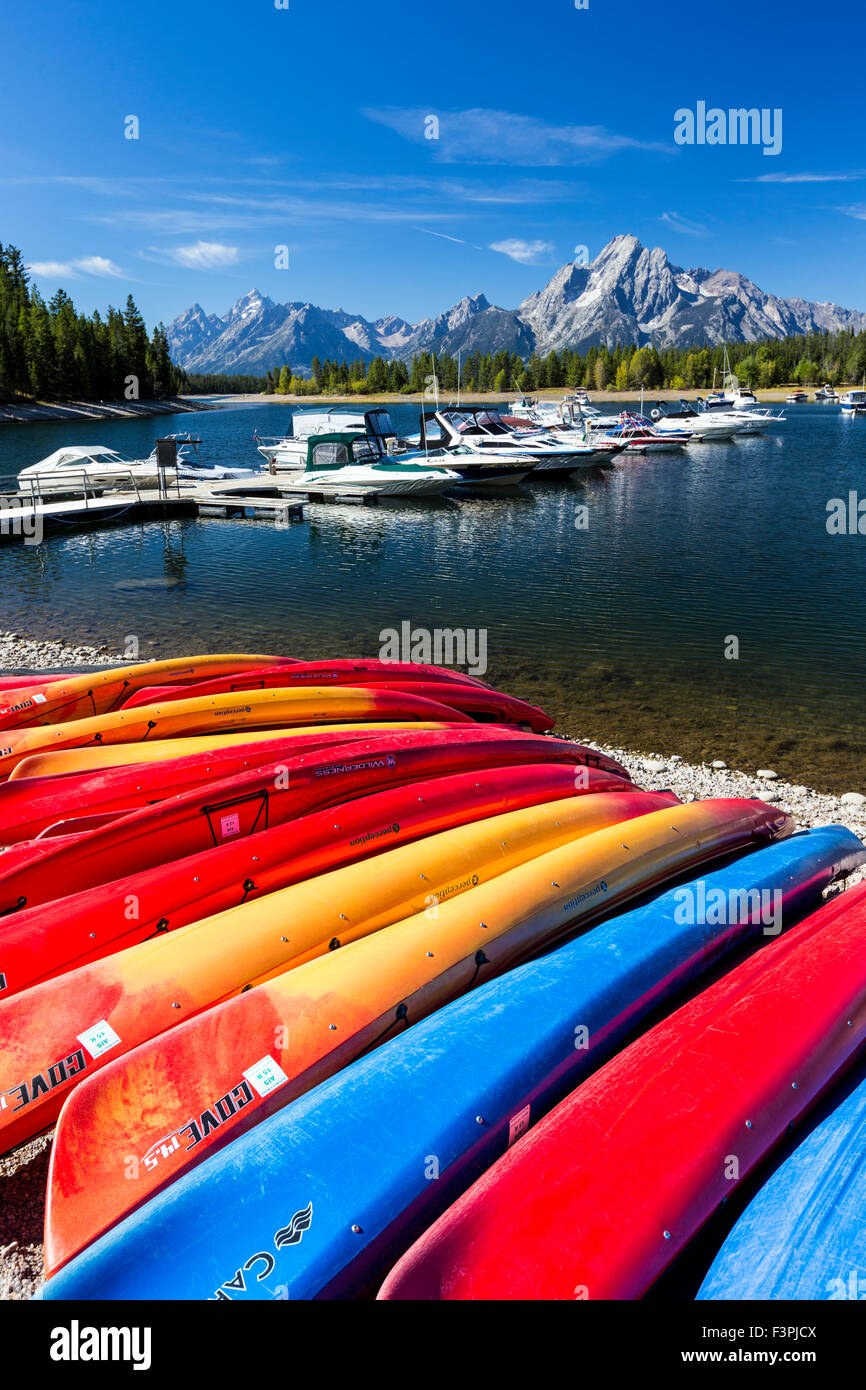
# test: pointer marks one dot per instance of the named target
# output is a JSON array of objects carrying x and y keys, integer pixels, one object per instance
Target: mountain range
[{"x": 628, "y": 294}]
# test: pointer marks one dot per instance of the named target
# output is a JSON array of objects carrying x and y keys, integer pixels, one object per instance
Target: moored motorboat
[
  {"x": 483, "y": 430},
  {"x": 354, "y": 464},
  {"x": 637, "y": 435},
  {"x": 76, "y": 468}
]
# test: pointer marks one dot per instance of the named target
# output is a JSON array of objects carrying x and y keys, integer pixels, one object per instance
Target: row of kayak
[{"x": 350, "y": 976}]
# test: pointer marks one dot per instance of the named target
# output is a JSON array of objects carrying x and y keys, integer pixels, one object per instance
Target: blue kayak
[
  {"x": 320, "y": 1197},
  {"x": 804, "y": 1235}
]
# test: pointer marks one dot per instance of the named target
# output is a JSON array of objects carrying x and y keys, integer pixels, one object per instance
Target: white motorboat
[
  {"x": 548, "y": 413},
  {"x": 351, "y": 463},
  {"x": 854, "y": 402},
  {"x": 190, "y": 468},
  {"x": 747, "y": 421},
  {"x": 703, "y": 424},
  {"x": 796, "y": 398},
  {"x": 484, "y": 430},
  {"x": 97, "y": 467},
  {"x": 69, "y": 469},
  {"x": 732, "y": 396},
  {"x": 827, "y": 393},
  {"x": 570, "y": 430}
]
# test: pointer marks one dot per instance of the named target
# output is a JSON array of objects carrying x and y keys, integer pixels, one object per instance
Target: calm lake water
[{"x": 620, "y": 630}]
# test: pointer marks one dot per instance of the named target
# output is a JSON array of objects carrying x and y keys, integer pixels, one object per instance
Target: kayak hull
[
  {"x": 351, "y": 1146},
  {"x": 613, "y": 1184},
  {"x": 316, "y": 1018},
  {"x": 52, "y": 701},
  {"x": 803, "y": 1236}
]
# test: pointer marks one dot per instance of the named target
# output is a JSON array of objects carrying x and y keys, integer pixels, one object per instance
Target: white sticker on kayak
[
  {"x": 518, "y": 1125},
  {"x": 39, "y": 699},
  {"x": 99, "y": 1038},
  {"x": 266, "y": 1076},
  {"x": 230, "y": 825}
]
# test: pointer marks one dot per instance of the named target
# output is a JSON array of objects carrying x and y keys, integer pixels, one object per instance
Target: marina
[{"x": 467, "y": 560}]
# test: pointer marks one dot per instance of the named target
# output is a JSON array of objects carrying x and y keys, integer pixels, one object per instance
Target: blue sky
[{"x": 305, "y": 127}]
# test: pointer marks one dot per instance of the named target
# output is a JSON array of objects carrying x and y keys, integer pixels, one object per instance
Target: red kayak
[
  {"x": 48, "y": 940},
  {"x": 346, "y": 671},
  {"x": 29, "y": 806},
  {"x": 599, "y": 1198},
  {"x": 253, "y": 801},
  {"x": 476, "y": 700}
]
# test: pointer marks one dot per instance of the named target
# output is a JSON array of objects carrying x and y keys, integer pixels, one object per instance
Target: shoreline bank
[{"x": 45, "y": 412}]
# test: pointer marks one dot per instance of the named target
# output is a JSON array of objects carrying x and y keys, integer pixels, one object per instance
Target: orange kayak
[{"x": 55, "y": 701}]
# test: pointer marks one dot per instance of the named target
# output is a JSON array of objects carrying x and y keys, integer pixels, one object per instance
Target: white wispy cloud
[
  {"x": 52, "y": 270},
  {"x": 526, "y": 252},
  {"x": 857, "y": 210},
  {"x": 853, "y": 177},
  {"x": 442, "y": 235},
  {"x": 482, "y": 136},
  {"x": 99, "y": 266},
  {"x": 683, "y": 224},
  {"x": 204, "y": 255}
]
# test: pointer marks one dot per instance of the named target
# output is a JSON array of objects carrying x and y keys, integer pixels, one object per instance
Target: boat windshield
[
  {"x": 482, "y": 421},
  {"x": 434, "y": 433},
  {"x": 101, "y": 456},
  {"x": 331, "y": 455}
]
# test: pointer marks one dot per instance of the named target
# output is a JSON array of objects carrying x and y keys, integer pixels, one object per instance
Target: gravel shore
[
  {"x": 19, "y": 653},
  {"x": 23, "y": 1172}
]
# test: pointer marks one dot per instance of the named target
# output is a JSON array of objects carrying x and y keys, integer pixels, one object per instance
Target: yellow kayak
[
  {"x": 125, "y": 754},
  {"x": 145, "y": 989},
  {"x": 38, "y": 702},
  {"x": 207, "y": 714}
]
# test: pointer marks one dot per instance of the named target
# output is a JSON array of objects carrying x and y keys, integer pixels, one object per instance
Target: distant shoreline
[
  {"x": 488, "y": 397},
  {"x": 45, "y": 412}
]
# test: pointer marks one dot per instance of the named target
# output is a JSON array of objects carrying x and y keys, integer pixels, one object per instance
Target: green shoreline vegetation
[
  {"x": 808, "y": 360},
  {"x": 51, "y": 352}
]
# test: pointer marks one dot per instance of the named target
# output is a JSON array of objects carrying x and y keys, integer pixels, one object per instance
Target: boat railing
[{"x": 37, "y": 489}]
